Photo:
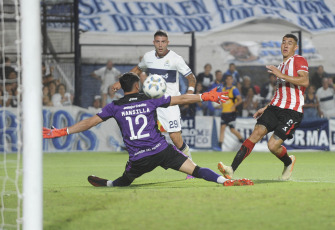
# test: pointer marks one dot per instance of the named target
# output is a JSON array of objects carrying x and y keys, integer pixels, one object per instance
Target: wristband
[
  {"x": 191, "y": 88},
  {"x": 200, "y": 97},
  {"x": 67, "y": 131}
]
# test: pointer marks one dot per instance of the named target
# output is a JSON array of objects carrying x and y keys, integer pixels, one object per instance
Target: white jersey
[{"x": 168, "y": 67}]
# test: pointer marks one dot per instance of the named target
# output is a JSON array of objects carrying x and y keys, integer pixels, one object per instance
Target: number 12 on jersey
[{"x": 139, "y": 134}]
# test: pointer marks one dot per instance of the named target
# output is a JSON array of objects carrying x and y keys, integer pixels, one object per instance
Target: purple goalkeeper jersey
[{"x": 137, "y": 119}]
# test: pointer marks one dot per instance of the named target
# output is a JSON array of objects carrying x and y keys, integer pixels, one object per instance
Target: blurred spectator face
[
  {"x": 218, "y": 76},
  {"x": 97, "y": 102},
  {"x": 229, "y": 81},
  {"x": 61, "y": 89},
  {"x": 320, "y": 70},
  {"x": 250, "y": 92},
  {"x": 246, "y": 81},
  {"x": 232, "y": 68},
  {"x": 12, "y": 76},
  {"x": 45, "y": 90},
  {"x": 198, "y": 87},
  {"x": 325, "y": 83},
  {"x": 109, "y": 65},
  {"x": 311, "y": 89},
  {"x": 208, "y": 68},
  {"x": 52, "y": 88}
]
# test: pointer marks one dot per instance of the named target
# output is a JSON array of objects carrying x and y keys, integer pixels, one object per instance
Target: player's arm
[
  {"x": 96, "y": 76},
  {"x": 191, "y": 83},
  {"x": 213, "y": 95},
  {"x": 301, "y": 80},
  {"x": 76, "y": 128}
]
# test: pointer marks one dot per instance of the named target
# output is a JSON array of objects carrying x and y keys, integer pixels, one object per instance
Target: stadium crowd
[{"x": 319, "y": 96}]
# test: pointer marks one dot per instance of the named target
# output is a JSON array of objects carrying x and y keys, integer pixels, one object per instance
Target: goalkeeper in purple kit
[{"x": 135, "y": 114}]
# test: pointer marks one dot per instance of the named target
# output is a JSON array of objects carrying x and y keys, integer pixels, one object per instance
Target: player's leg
[
  {"x": 237, "y": 134},
  {"x": 276, "y": 147},
  {"x": 209, "y": 175},
  {"x": 222, "y": 129},
  {"x": 122, "y": 181},
  {"x": 266, "y": 123},
  {"x": 258, "y": 133},
  {"x": 177, "y": 140},
  {"x": 232, "y": 123},
  {"x": 289, "y": 121},
  {"x": 222, "y": 132},
  {"x": 169, "y": 118},
  {"x": 133, "y": 170}
]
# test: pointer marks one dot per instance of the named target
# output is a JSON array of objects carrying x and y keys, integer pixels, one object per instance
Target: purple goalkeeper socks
[{"x": 208, "y": 174}]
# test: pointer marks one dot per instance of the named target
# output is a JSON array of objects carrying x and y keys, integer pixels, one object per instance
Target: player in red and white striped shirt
[{"x": 283, "y": 114}]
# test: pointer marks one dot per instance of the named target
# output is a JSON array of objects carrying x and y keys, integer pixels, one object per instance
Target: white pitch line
[{"x": 332, "y": 182}]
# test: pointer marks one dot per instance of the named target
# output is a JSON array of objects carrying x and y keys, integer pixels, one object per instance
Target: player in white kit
[{"x": 169, "y": 65}]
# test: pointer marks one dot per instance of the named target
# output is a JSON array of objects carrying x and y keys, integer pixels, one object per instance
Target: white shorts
[{"x": 170, "y": 118}]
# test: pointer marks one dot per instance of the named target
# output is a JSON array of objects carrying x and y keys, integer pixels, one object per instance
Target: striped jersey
[
  {"x": 288, "y": 95},
  {"x": 168, "y": 67}
]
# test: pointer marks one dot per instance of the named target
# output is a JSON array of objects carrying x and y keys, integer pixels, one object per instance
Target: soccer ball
[{"x": 154, "y": 86}]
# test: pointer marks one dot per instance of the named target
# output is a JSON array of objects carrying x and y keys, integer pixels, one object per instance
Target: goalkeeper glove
[
  {"x": 52, "y": 133},
  {"x": 213, "y": 95}
]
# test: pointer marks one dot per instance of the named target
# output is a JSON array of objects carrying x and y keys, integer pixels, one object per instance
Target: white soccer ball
[{"x": 154, "y": 86}]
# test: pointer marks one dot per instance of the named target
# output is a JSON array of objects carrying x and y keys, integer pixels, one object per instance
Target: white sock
[
  {"x": 220, "y": 180},
  {"x": 109, "y": 183}
]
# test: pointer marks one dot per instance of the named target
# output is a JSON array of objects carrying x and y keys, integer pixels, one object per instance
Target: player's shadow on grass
[
  {"x": 267, "y": 181},
  {"x": 153, "y": 183}
]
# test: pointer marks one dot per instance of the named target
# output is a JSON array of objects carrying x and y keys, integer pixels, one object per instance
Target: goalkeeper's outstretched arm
[{"x": 76, "y": 128}]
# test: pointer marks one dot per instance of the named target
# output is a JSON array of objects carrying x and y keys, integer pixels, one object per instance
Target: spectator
[
  {"x": 1, "y": 97},
  {"x": 206, "y": 78},
  {"x": 228, "y": 115},
  {"x": 234, "y": 73},
  {"x": 317, "y": 77},
  {"x": 61, "y": 98},
  {"x": 8, "y": 68},
  {"x": 10, "y": 92},
  {"x": 112, "y": 95},
  {"x": 52, "y": 88},
  {"x": 214, "y": 109},
  {"x": 325, "y": 95},
  {"x": 246, "y": 85},
  {"x": 97, "y": 102},
  {"x": 108, "y": 75},
  {"x": 311, "y": 106},
  {"x": 268, "y": 89},
  {"x": 47, "y": 76},
  {"x": 46, "y": 96},
  {"x": 250, "y": 103}
]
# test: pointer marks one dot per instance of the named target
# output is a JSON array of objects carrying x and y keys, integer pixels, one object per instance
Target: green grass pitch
[{"x": 165, "y": 200}]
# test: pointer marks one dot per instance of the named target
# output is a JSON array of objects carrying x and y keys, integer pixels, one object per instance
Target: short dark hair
[
  {"x": 291, "y": 36},
  {"x": 161, "y": 33},
  {"x": 128, "y": 80}
]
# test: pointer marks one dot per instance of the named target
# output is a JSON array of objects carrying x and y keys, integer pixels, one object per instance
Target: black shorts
[
  {"x": 170, "y": 157},
  {"x": 229, "y": 119},
  {"x": 282, "y": 121}
]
